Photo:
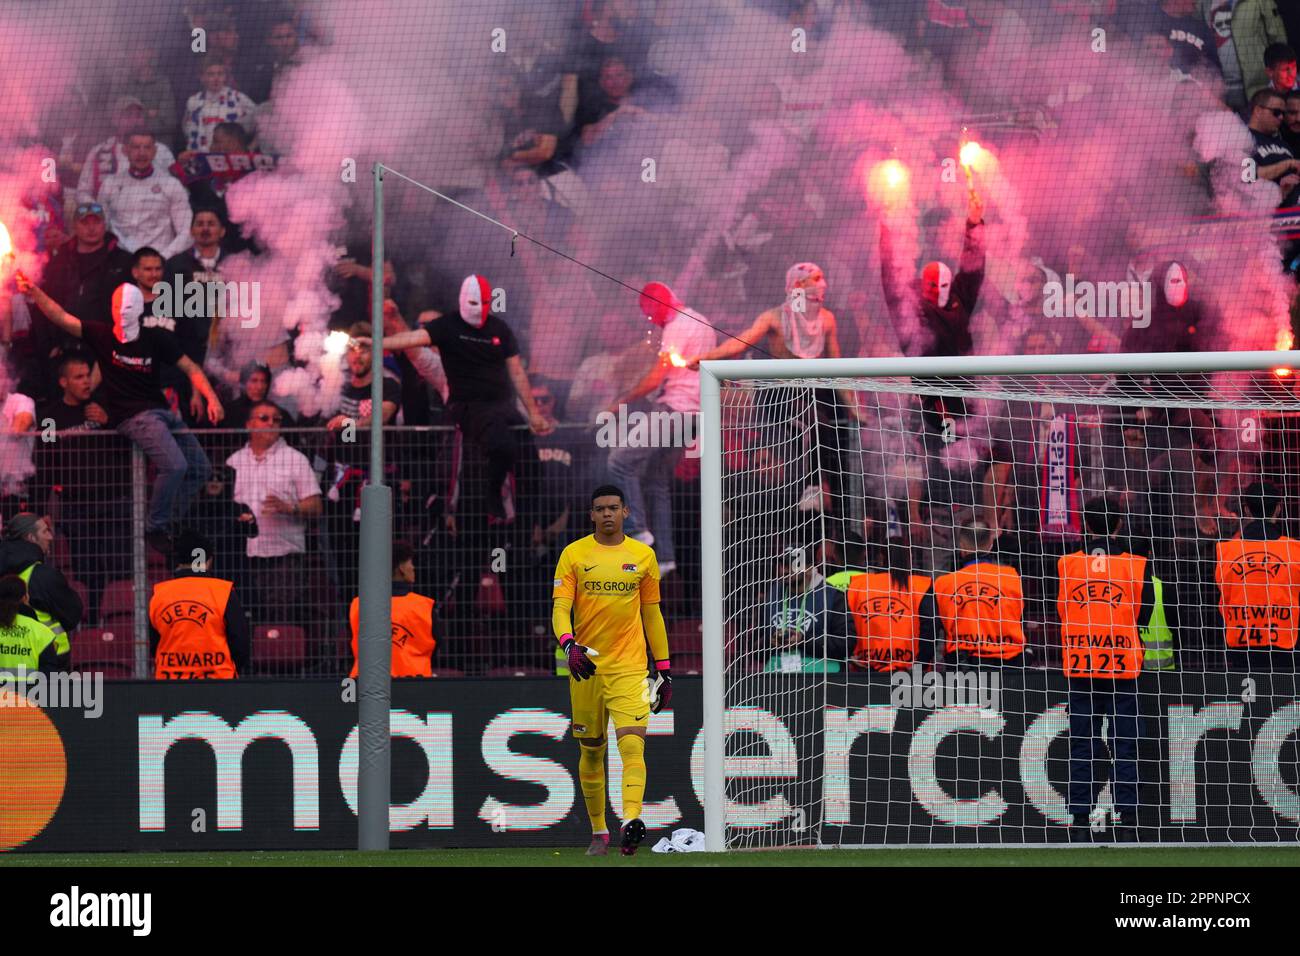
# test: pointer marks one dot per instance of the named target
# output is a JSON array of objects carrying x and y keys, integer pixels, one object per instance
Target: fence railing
[
  {"x": 491, "y": 580},
  {"x": 296, "y": 576}
]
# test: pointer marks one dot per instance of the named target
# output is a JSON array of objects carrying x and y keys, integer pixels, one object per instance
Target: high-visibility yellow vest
[
  {"x": 1156, "y": 636},
  {"x": 61, "y": 644},
  {"x": 21, "y": 646}
]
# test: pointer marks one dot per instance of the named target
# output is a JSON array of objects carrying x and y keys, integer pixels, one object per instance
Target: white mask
[
  {"x": 475, "y": 296},
  {"x": 939, "y": 273},
  {"x": 128, "y": 307},
  {"x": 802, "y": 325},
  {"x": 1176, "y": 285},
  {"x": 814, "y": 291}
]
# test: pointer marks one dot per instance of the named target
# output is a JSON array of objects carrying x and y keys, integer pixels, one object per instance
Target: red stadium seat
[
  {"x": 80, "y": 590},
  {"x": 688, "y": 663},
  {"x": 519, "y": 672},
  {"x": 117, "y": 600},
  {"x": 116, "y": 671},
  {"x": 685, "y": 637},
  {"x": 110, "y": 650},
  {"x": 120, "y": 623},
  {"x": 279, "y": 646}
]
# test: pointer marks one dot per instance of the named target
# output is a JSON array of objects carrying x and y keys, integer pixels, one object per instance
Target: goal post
[{"x": 960, "y": 464}]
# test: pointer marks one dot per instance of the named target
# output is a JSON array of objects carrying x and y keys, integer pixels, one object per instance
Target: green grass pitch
[{"x": 566, "y": 856}]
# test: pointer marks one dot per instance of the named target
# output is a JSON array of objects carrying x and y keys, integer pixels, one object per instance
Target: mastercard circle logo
[{"x": 33, "y": 770}]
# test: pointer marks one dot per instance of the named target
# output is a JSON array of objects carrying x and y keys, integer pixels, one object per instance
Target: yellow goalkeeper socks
[
  {"x": 591, "y": 775},
  {"x": 632, "y": 749}
]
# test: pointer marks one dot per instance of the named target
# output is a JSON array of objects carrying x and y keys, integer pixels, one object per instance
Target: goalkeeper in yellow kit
[{"x": 606, "y": 609}]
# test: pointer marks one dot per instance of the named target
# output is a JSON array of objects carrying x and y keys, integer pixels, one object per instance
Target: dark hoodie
[
  {"x": 47, "y": 589},
  {"x": 1172, "y": 329},
  {"x": 82, "y": 282},
  {"x": 944, "y": 331}
]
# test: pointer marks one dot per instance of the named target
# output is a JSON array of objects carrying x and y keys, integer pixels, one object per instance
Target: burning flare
[
  {"x": 1283, "y": 343},
  {"x": 888, "y": 183},
  {"x": 336, "y": 343},
  {"x": 972, "y": 156},
  {"x": 972, "y": 153}
]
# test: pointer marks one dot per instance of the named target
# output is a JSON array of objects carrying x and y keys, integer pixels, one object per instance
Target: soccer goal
[{"x": 1015, "y": 600}]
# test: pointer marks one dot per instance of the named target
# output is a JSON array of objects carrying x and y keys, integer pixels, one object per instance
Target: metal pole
[
  {"x": 715, "y": 744},
  {"x": 139, "y": 566},
  {"x": 374, "y": 643}
]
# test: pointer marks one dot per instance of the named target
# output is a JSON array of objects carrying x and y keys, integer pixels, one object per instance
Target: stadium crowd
[{"x": 493, "y": 459}]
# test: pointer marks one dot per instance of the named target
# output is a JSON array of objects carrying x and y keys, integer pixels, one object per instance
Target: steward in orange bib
[
  {"x": 886, "y": 610},
  {"x": 980, "y": 605},
  {"x": 197, "y": 627},
  {"x": 1258, "y": 574},
  {"x": 1104, "y": 595},
  {"x": 413, "y": 640}
]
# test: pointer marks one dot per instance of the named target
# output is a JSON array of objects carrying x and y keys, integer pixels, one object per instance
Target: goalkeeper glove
[
  {"x": 661, "y": 691},
  {"x": 581, "y": 666}
]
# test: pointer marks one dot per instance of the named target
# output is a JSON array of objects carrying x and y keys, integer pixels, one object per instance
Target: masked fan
[
  {"x": 485, "y": 373},
  {"x": 940, "y": 302},
  {"x": 800, "y": 327},
  {"x": 943, "y": 301},
  {"x": 132, "y": 353},
  {"x": 643, "y": 468}
]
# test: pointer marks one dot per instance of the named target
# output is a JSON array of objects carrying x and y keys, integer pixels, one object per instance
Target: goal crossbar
[
  {"x": 839, "y": 374},
  {"x": 984, "y": 365}
]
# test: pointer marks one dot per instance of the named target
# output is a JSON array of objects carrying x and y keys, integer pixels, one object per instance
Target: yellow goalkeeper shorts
[{"x": 625, "y": 697}]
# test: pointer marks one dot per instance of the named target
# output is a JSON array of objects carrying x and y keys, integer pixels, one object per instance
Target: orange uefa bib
[
  {"x": 1259, "y": 592},
  {"x": 886, "y": 619},
  {"x": 981, "y": 606},
  {"x": 189, "y": 615},
  {"x": 1098, "y": 602},
  {"x": 413, "y": 640}
]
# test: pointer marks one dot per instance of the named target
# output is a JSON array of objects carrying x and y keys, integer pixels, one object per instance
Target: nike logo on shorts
[{"x": 643, "y": 716}]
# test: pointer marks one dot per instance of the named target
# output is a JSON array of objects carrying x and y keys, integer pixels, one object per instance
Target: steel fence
[{"x": 491, "y": 580}]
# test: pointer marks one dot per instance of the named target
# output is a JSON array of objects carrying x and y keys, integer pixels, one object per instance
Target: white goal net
[{"x": 1025, "y": 600}]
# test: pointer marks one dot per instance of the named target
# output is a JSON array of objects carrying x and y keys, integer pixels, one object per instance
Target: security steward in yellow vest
[
  {"x": 413, "y": 620},
  {"x": 27, "y": 646},
  {"x": 1105, "y": 596},
  {"x": 197, "y": 627},
  {"x": 1258, "y": 577},
  {"x": 24, "y": 552},
  {"x": 974, "y": 616}
]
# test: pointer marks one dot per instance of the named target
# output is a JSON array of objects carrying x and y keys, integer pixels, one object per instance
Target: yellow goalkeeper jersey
[{"x": 606, "y": 585}]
